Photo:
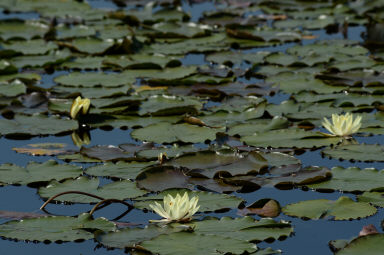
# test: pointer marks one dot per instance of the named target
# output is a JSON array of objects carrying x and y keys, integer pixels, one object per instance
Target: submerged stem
[
  {"x": 69, "y": 192},
  {"x": 110, "y": 200}
]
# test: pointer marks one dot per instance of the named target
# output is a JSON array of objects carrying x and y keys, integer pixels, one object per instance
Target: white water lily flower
[
  {"x": 343, "y": 125},
  {"x": 177, "y": 209},
  {"x": 78, "y": 105}
]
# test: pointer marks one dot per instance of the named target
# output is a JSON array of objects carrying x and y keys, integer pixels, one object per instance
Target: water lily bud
[{"x": 81, "y": 106}]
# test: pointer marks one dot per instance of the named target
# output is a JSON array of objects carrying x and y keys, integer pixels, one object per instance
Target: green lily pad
[
  {"x": 360, "y": 152},
  {"x": 66, "y": 32},
  {"x": 223, "y": 118},
  {"x": 53, "y": 58},
  {"x": 176, "y": 30},
  {"x": 321, "y": 22},
  {"x": 107, "y": 152},
  {"x": 284, "y": 138},
  {"x": 32, "y": 47},
  {"x": 191, "y": 243},
  {"x": 90, "y": 45},
  {"x": 141, "y": 61},
  {"x": 265, "y": 34},
  {"x": 236, "y": 58},
  {"x": 208, "y": 201},
  {"x": 16, "y": 29},
  {"x": 159, "y": 178},
  {"x": 292, "y": 82},
  {"x": 283, "y": 177},
  {"x": 92, "y": 92},
  {"x": 212, "y": 163},
  {"x": 369, "y": 244},
  {"x": 37, "y": 172},
  {"x": 120, "y": 169},
  {"x": 7, "y": 68},
  {"x": 327, "y": 48},
  {"x": 55, "y": 228},
  {"x": 32, "y": 125},
  {"x": 259, "y": 126},
  {"x": 169, "y": 105},
  {"x": 244, "y": 228},
  {"x": 118, "y": 190},
  {"x": 353, "y": 179},
  {"x": 130, "y": 237},
  {"x": 12, "y": 89},
  {"x": 375, "y": 198},
  {"x": 125, "y": 121},
  {"x": 215, "y": 42},
  {"x": 171, "y": 152},
  {"x": 77, "y": 79},
  {"x": 342, "y": 209},
  {"x": 164, "y": 132}
]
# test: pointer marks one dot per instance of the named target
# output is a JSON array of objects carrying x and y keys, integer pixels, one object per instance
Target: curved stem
[
  {"x": 110, "y": 200},
  {"x": 69, "y": 192}
]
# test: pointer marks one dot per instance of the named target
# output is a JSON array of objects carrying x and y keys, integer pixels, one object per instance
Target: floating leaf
[
  {"x": 264, "y": 207},
  {"x": 117, "y": 190},
  {"x": 31, "y": 47},
  {"x": 169, "y": 105},
  {"x": 16, "y": 29},
  {"x": 167, "y": 133},
  {"x": 12, "y": 89},
  {"x": 32, "y": 125},
  {"x": 360, "y": 152},
  {"x": 352, "y": 179},
  {"x": 342, "y": 209},
  {"x": 55, "y": 228},
  {"x": 244, "y": 228},
  {"x": 159, "y": 178},
  {"x": 284, "y": 138},
  {"x": 375, "y": 198},
  {"x": 130, "y": 237},
  {"x": 37, "y": 172},
  {"x": 369, "y": 244},
  {"x": 119, "y": 169},
  {"x": 191, "y": 243},
  {"x": 210, "y": 163}
]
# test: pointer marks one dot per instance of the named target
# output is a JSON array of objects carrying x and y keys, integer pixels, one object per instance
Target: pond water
[{"x": 310, "y": 236}]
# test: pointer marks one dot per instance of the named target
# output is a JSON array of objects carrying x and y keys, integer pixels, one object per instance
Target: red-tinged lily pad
[{"x": 264, "y": 207}]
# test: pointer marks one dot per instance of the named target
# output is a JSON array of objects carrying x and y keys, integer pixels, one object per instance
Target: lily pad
[
  {"x": 359, "y": 152},
  {"x": 244, "y": 228},
  {"x": 211, "y": 163},
  {"x": 120, "y": 169},
  {"x": 159, "y": 178},
  {"x": 32, "y": 125},
  {"x": 31, "y": 47},
  {"x": 169, "y": 105},
  {"x": 369, "y": 244},
  {"x": 284, "y": 138},
  {"x": 191, "y": 243},
  {"x": 130, "y": 237},
  {"x": 342, "y": 209},
  {"x": 375, "y": 198},
  {"x": 12, "y": 89},
  {"x": 55, "y": 228},
  {"x": 118, "y": 190},
  {"x": 164, "y": 132},
  {"x": 353, "y": 179},
  {"x": 37, "y": 172},
  {"x": 16, "y": 29}
]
